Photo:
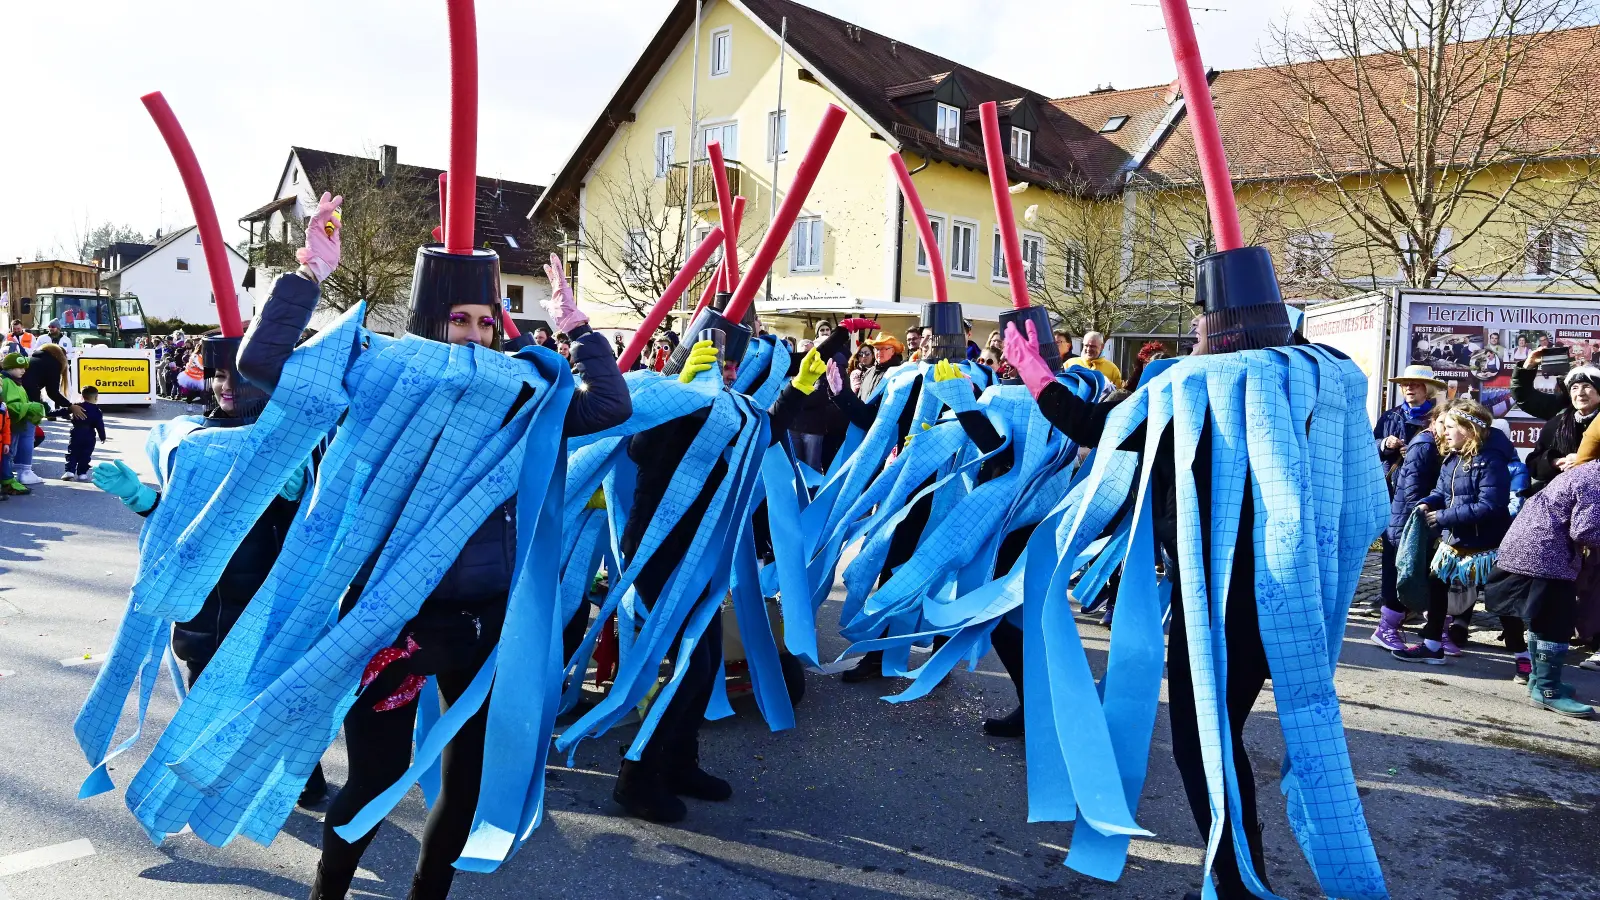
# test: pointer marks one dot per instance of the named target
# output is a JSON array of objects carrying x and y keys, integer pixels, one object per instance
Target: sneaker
[
  {"x": 26, "y": 475},
  {"x": 85, "y": 477},
  {"x": 1592, "y": 663},
  {"x": 1389, "y": 634},
  {"x": 68, "y": 476},
  {"x": 14, "y": 487},
  {"x": 1419, "y": 653},
  {"x": 1524, "y": 669},
  {"x": 1449, "y": 644},
  {"x": 868, "y": 669}
]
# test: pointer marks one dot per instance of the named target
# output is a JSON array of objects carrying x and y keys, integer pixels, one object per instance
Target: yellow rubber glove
[
  {"x": 925, "y": 427},
  {"x": 811, "y": 369},
  {"x": 944, "y": 371},
  {"x": 598, "y": 501},
  {"x": 702, "y": 358}
]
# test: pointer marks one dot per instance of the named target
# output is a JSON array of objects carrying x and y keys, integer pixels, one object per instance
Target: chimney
[{"x": 388, "y": 161}]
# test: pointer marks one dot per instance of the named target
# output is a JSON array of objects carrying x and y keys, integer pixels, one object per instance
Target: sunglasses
[{"x": 461, "y": 318}]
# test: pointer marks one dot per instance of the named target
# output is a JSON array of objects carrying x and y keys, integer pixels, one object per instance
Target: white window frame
[
  {"x": 1022, "y": 146},
  {"x": 1313, "y": 246},
  {"x": 950, "y": 116},
  {"x": 183, "y": 264},
  {"x": 730, "y": 149},
  {"x": 941, "y": 237},
  {"x": 635, "y": 250},
  {"x": 813, "y": 264},
  {"x": 1443, "y": 263},
  {"x": 1568, "y": 245},
  {"x": 666, "y": 151},
  {"x": 1035, "y": 262},
  {"x": 971, "y": 228},
  {"x": 997, "y": 263},
  {"x": 777, "y": 134},
  {"x": 725, "y": 36},
  {"x": 701, "y": 232},
  {"x": 1072, "y": 268}
]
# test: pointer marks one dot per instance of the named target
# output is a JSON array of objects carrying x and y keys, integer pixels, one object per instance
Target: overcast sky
[{"x": 249, "y": 78}]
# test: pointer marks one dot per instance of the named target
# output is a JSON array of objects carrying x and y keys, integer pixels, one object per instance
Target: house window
[
  {"x": 1072, "y": 258},
  {"x": 725, "y": 133},
  {"x": 1197, "y": 247},
  {"x": 514, "y": 298},
  {"x": 183, "y": 264},
  {"x": 721, "y": 52},
  {"x": 1113, "y": 123},
  {"x": 294, "y": 176},
  {"x": 1441, "y": 260},
  {"x": 511, "y": 241},
  {"x": 1021, "y": 146},
  {"x": 635, "y": 256},
  {"x": 700, "y": 234},
  {"x": 197, "y": 235},
  {"x": 665, "y": 149},
  {"x": 777, "y": 134},
  {"x": 950, "y": 124},
  {"x": 938, "y": 239},
  {"x": 997, "y": 263},
  {"x": 1310, "y": 256},
  {"x": 1033, "y": 259},
  {"x": 805, "y": 245},
  {"x": 1555, "y": 250},
  {"x": 963, "y": 249}
]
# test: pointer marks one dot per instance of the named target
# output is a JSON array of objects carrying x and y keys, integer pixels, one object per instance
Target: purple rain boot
[{"x": 1389, "y": 634}]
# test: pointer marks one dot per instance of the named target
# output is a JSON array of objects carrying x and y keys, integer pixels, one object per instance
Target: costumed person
[
  {"x": 1409, "y": 482},
  {"x": 1535, "y": 575},
  {"x": 433, "y": 434},
  {"x": 26, "y": 413},
  {"x": 1471, "y": 505},
  {"x": 460, "y": 622},
  {"x": 684, "y": 475},
  {"x": 1249, "y": 466},
  {"x": 233, "y": 403},
  {"x": 1393, "y": 433},
  {"x": 1565, "y": 416}
]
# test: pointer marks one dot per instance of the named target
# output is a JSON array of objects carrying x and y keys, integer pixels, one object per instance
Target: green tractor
[{"x": 89, "y": 317}]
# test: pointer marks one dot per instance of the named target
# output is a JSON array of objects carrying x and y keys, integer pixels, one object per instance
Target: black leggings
[
  {"x": 1006, "y": 637},
  {"x": 379, "y": 744},
  {"x": 676, "y": 741}
]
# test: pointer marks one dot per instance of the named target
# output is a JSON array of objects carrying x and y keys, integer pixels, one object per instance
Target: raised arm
[
  {"x": 277, "y": 325},
  {"x": 603, "y": 400}
]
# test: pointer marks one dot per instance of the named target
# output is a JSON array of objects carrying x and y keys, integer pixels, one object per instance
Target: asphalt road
[{"x": 1470, "y": 792}]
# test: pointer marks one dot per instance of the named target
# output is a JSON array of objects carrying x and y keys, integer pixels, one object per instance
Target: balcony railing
[{"x": 705, "y": 186}]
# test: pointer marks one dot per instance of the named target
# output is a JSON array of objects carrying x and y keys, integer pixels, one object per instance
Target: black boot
[
  {"x": 315, "y": 791},
  {"x": 324, "y": 888},
  {"x": 437, "y": 889},
  {"x": 1007, "y": 726},
  {"x": 870, "y": 667},
  {"x": 687, "y": 779},
  {"x": 643, "y": 794}
]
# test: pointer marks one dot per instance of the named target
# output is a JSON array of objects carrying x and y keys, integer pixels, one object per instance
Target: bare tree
[
  {"x": 1432, "y": 123},
  {"x": 636, "y": 243},
  {"x": 383, "y": 223}
]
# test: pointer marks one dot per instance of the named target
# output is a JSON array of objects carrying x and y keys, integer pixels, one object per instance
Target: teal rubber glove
[
  {"x": 116, "y": 479},
  {"x": 296, "y": 485}
]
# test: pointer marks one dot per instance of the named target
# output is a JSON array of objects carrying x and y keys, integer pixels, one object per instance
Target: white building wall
[{"x": 166, "y": 292}]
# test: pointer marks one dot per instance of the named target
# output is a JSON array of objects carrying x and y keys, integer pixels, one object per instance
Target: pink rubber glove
[
  {"x": 561, "y": 306},
  {"x": 321, "y": 252},
  {"x": 835, "y": 380},
  {"x": 1023, "y": 353}
]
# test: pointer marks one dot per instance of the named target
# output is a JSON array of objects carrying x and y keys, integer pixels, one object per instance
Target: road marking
[
  {"x": 6, "y": 673},
  {"x": 45, "y": 856},
  {"x": 71, "y": 661}
]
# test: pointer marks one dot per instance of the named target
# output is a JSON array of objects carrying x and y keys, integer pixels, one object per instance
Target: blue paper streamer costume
[{"x": 719, "y": 557}]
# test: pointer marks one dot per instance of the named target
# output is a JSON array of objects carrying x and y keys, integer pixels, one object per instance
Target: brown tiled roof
[
  {"x": 502, "y": 208},
  {"x": 873, "y": 71},
  {"x": 1262, "y": 111},
  {"x": 1104, "y": 157}
]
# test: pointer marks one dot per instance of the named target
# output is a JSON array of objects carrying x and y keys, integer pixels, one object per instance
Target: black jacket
[
  {"x": 1561, "y": 434},
  {"x": 43, "y": 377},
  {"x": 196, "y": 640}
]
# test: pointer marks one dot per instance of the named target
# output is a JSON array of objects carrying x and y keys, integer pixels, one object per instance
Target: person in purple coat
[{"x": 1535, "y": 576}]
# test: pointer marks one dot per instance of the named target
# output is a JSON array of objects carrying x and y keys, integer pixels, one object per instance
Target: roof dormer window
[
  {"x": 949, "y": 124},
  {"x": 1021, "y": 146},
  {"x": 1113, "y": 123}
]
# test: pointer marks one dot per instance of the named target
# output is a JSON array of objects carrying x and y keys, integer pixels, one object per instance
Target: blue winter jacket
[
  {"x": 1414, "y": 479},
  {"x": 1473, "y": 496},
  {"x": 1400, "y": 422}
]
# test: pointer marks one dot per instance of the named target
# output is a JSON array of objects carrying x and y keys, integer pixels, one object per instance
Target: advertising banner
[
  {"x": 1473, "y": 344},
  {"x": 1355, "y": 328},
  {"x": 123, "y": 377}
]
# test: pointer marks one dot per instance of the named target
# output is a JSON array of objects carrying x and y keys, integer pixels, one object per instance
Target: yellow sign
[{"x": 114, "y": 376}]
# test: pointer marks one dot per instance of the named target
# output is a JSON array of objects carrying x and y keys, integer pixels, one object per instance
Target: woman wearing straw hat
[{"x": 1395, "y": 429}]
